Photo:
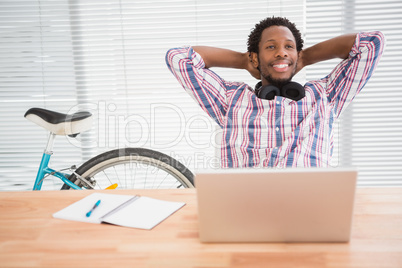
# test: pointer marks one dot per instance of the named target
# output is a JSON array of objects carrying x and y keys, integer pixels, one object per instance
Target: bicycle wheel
[{"x": 133, "y": 168}]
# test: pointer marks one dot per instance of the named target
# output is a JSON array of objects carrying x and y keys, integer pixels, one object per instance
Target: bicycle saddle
[{"x": 58, "y": 123}]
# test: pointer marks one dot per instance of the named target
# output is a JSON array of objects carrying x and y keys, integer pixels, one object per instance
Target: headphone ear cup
[
  {"x": 268, "y": 92},
  {"x": 293, "y": 90}
]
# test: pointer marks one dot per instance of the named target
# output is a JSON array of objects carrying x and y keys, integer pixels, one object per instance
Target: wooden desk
[{"x": 30, "y": 237}]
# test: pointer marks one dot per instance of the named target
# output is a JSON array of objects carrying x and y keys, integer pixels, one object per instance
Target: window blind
[
  {"x": 108, "y": 57},
  {"x": 369, "y": 132},
  {"x": 37, "y": 70}
]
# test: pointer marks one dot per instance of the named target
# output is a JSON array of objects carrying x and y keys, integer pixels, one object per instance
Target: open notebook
[{"x": 124, "y": 210}]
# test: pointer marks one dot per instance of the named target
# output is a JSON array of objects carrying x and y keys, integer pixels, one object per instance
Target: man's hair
[{"x": 254, "y": 37}]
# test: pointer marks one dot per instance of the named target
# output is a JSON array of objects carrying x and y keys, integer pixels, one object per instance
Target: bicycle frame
[{"x": 44, "y": 169}]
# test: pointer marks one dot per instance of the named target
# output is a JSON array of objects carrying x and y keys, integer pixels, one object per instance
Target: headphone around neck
[{"x": 291, "y": 90}]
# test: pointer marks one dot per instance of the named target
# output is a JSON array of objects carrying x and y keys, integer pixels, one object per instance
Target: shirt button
[
  {"x": 277, "y": 129},
  {"x": 278, "y": 102}
]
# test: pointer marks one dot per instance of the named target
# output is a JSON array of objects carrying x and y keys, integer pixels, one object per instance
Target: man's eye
[{"x": 270, "y": 47}]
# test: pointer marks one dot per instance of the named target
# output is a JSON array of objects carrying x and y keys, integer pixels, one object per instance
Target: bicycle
[{"x": 128, "y": 168}]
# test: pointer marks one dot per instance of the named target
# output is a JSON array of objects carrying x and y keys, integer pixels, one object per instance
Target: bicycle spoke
[
  {"x": 104, "y": 172},
  {"x": 135, "y": 176},
  {"x": 162, "y": 181},
  {"x": 146, "y": 176},
  {"x": 125, "y": 176},
  {"x": 153, "y": 184}
]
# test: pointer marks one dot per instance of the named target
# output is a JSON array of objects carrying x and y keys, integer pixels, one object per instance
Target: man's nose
[{"x": 281, "y": 53}]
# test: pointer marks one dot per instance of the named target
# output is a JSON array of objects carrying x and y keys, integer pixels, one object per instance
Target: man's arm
[
  {"x": 337, "y": 47},
  {"x": 203, "y": 85},
  {"x": 220, "y": 57},
  {"x": 349, "y": 77}
]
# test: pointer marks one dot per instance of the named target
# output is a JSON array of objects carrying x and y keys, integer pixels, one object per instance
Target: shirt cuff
[{"x": 196, "y": 58}]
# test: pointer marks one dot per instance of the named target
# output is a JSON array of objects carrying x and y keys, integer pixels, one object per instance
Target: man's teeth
[{"x": 281, "y": 65}]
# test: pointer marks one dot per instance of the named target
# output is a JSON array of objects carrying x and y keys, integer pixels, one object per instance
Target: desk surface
[{"x": 30, "y": 237}]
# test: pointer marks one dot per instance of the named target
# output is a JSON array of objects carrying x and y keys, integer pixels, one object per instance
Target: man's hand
[{"x": 220, "y": 57}]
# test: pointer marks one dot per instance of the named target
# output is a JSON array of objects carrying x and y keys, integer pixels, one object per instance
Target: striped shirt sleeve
[
  {"x": 203, "y": 85},
  {"x": 352, "y": 74}
]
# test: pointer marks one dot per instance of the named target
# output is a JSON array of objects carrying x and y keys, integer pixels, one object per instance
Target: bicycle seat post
[
  {"x": 44, "y": 162},
  {"x": 50, "y": 142}
]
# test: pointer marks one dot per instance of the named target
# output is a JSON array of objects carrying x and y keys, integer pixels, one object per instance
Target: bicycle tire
[{"x": 118, "y": 160}]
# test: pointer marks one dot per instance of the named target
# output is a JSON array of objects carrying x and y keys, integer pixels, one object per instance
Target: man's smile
[{"x": 281, "y": 66}]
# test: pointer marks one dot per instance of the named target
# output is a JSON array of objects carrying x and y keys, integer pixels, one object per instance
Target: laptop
[{"x": 288, "y": 205}]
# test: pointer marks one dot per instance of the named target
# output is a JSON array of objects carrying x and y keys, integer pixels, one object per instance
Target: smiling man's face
[{"x": 277, "y": 56}]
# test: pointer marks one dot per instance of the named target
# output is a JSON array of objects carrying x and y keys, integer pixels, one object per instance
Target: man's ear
[{"x": 254, "y": 59}]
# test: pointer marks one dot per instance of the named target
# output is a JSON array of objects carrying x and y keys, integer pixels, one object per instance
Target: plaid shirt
[{"x": 279, "y": 132}]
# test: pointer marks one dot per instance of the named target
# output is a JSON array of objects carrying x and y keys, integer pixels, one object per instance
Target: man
[{"x": 280, "y": 131}]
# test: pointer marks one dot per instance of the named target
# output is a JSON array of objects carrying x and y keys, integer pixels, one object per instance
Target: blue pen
[{"x": 95, "y": 206}]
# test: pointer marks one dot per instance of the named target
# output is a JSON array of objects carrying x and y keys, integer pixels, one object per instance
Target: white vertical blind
[{"x": 108, "y": 57}]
